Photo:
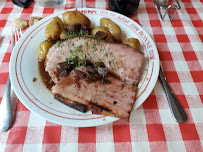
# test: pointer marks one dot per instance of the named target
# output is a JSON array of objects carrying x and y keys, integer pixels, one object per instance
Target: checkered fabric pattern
[{"x": 180, "y": 47}]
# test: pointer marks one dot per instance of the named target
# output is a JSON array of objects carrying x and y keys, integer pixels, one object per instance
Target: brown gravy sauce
[
  {"x": 45, "y": 75},
  {"x": 48, "y": 81}
]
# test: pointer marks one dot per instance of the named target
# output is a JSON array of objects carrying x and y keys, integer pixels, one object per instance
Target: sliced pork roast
[
  {"x": 107, "y": 89},
  {"x": 122, "y": 60},
  {"x": 115, "y": 98}
]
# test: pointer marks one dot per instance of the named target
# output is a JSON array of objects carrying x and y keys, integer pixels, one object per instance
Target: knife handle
[
  {"x": 7, "y": 107},
  {"x": 176, "y": 109}
]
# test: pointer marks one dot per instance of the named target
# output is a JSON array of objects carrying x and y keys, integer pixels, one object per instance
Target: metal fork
[{"x": 9, "y": 100}]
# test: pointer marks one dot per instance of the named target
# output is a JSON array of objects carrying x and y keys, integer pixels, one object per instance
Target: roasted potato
[
  {"x": 72, "y": 17},
  {"x": 54, "y": 29},
  {"x": 43, "y": 49},
  {"x": 135, "y": 43},
  {"x": 102, "y": 29},
  {"x": 113, "y": 28},
  {"x": 63, "y": 35}
]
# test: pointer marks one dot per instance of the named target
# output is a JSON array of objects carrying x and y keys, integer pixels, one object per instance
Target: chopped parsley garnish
[
  {"x": 75, "y": 61},
  {"x": 58, "y": 43},
  {"x": 57, "y": 33}
]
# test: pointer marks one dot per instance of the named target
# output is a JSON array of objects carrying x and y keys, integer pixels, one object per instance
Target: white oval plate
[{"x": 38, "y": 99}]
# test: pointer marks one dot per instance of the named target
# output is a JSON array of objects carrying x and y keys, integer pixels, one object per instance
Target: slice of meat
[
  {"x": 122, "y": 60},
  {"x": 115, "y": 99},
  {"x": 73, "y": 104}
]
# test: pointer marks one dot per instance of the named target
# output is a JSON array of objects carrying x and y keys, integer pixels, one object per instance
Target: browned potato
[
  {"x": 102, "y": 29},
  {"x": 72, "y": 17},
  {"x": 43, "y": 49},
  {"x": 63, "y": 35},
  {"x": 54, "y": 29},
  {"x": 135, "y": 43},
  {"x": 113, "y": 28}
]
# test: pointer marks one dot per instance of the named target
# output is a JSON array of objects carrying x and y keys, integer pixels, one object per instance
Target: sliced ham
[
  {"x": 122, "y": 60},
  {"x": 123, "y": 63},
  {"x": 115, "y": 99}
]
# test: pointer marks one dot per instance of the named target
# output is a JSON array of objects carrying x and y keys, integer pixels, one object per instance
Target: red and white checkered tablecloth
[{"x": 180, "y": 47}]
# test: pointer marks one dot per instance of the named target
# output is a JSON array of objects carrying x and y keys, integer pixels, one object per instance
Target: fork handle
[
  {"x": 7, "y": 107},
  {"x": 176, "y": 109}
]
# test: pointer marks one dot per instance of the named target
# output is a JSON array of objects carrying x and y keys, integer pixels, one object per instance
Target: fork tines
[{"x": 16, "y": 34}]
